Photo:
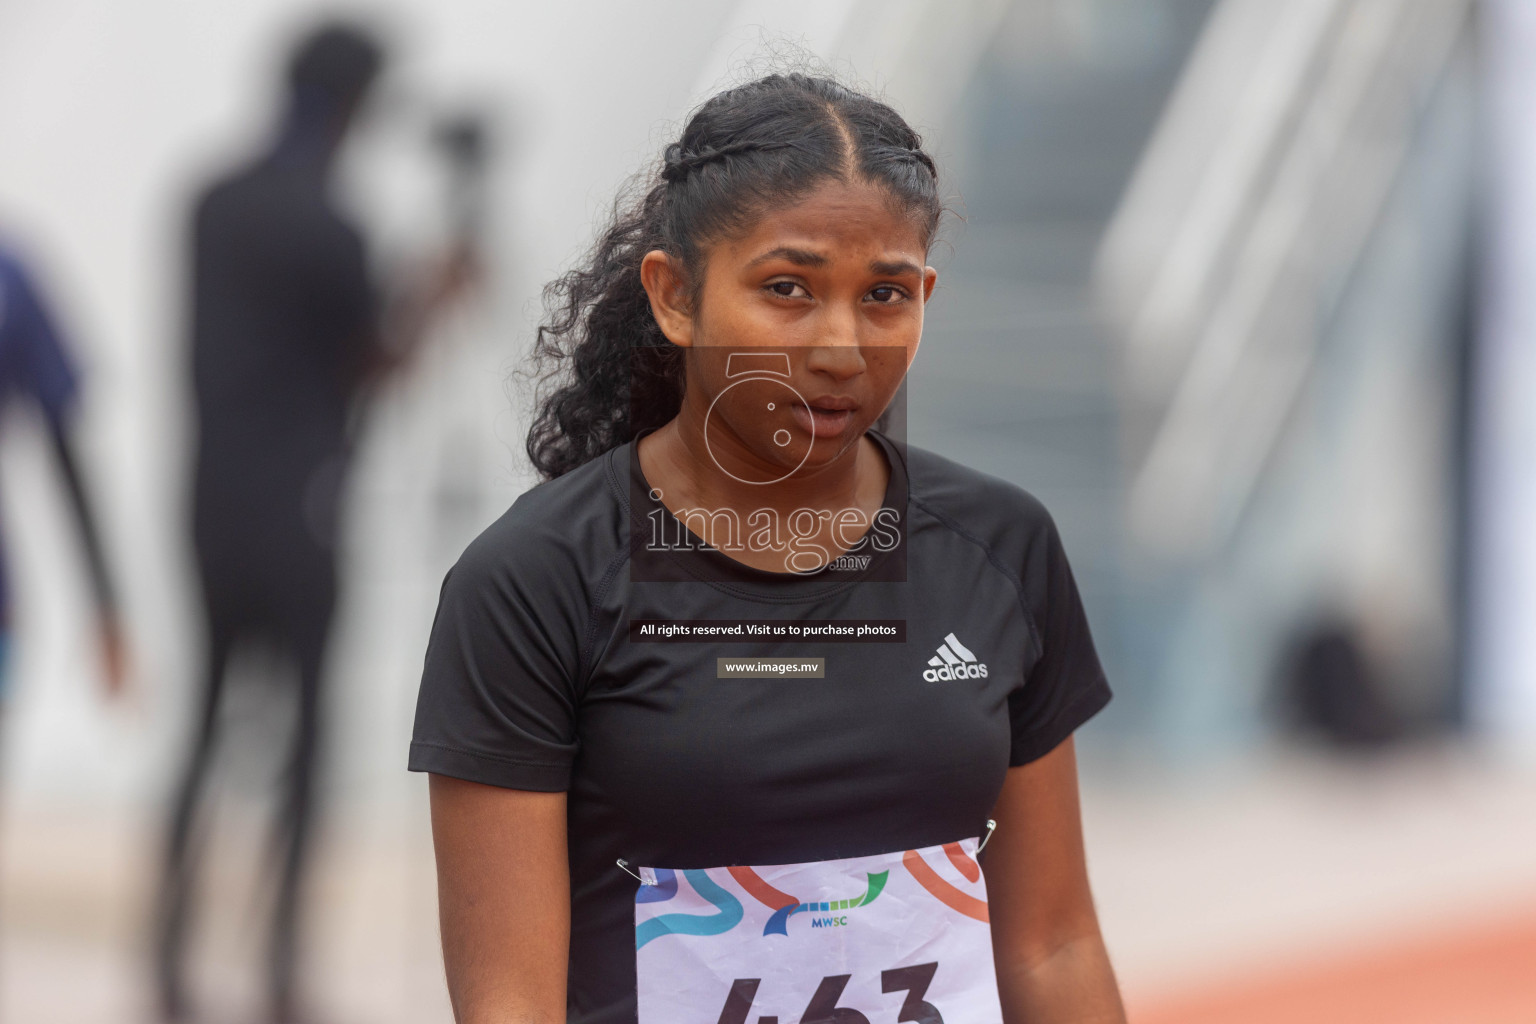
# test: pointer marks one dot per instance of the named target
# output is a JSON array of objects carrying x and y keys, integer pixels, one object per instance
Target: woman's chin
[{"x": 827, "y": 450}]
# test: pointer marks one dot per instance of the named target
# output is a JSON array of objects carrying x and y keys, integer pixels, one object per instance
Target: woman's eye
[
  {"x": 887, "y": 294},
  {"x": 788, "y": 289}
]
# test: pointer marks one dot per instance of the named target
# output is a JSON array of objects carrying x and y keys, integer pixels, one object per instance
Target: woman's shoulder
[
  {"x": 997, "y": 514},
  {"x": 959, "y": 491},
  {"x": 571, "y": 524}
]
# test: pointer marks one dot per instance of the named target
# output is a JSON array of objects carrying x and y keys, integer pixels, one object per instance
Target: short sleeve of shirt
[
  {"x": 1066, "y": 686},
  {"x": 498, "y": 694},
  {"x": 33, "y": 360}
]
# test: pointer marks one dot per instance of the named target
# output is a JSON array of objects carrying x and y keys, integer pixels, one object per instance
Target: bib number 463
[{"x": 823, "y": 1008}]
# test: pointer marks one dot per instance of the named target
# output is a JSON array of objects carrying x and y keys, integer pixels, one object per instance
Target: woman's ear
[
  {"x": 930, "y": 278},
  {"x": 667, "y": 288}
]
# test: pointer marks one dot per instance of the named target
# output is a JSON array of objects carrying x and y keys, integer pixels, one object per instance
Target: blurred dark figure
[
  {"x": 35, "y": 365},
  {"x": 288, "y": 336},
  {"x": 1330, "y": 688}
]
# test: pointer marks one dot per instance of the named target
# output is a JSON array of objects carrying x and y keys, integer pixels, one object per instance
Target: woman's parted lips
[
  {"x": 826, "y": 416},
  {"x": 832, "y": 403}
]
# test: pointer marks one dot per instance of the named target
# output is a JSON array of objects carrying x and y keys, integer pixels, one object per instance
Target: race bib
[{"x": 886, "y": 939}]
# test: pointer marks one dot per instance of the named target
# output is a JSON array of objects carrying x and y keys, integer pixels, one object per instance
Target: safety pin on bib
[
  {"x": 991, "y": 827},
  {"x": 640, "y": 877}
]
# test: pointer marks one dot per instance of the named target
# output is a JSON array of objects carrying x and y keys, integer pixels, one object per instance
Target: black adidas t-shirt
[{"x": 549, "y": 669}]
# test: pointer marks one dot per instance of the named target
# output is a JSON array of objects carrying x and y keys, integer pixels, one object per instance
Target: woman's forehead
[{"x": 835, "y": 222}]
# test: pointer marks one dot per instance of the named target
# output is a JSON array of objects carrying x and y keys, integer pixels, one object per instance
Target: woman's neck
[{"x": 689, "y": 476}]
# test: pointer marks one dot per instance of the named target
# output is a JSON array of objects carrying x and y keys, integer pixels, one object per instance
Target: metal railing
[{"x": 1252, "y": 205}]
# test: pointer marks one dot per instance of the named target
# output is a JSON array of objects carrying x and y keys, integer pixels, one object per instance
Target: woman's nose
[{"x": 837, "y": 351}]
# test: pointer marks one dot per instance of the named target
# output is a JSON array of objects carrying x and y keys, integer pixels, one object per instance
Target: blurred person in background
[
  {"x": 35, "y": 364},
  {"x": 289, "y": 335}
]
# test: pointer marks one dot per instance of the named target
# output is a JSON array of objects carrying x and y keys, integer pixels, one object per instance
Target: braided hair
[{"x": 606, "y": 371}]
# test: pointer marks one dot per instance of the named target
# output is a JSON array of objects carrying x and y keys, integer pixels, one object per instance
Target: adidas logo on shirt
[{"x": 954, "y": 661}]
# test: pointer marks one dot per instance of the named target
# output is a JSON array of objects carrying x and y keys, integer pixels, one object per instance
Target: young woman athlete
[{"x": 719, "y": 716}]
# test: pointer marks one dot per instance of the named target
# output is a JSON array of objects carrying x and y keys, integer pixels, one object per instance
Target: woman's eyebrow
[
  {"x": 799, "y": 257},
  {"x": 894, "y": 268}
]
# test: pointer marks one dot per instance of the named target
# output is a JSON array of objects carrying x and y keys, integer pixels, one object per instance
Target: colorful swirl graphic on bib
[
  {"x": 786, "y": 906},
  {"x": 729, "y": 911},
  {"x": 729, "y": 916},
  {"x": 944, "y": 892}
]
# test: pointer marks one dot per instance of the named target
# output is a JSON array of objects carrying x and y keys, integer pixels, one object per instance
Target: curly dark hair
[{"x": 606, "y": 371}]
